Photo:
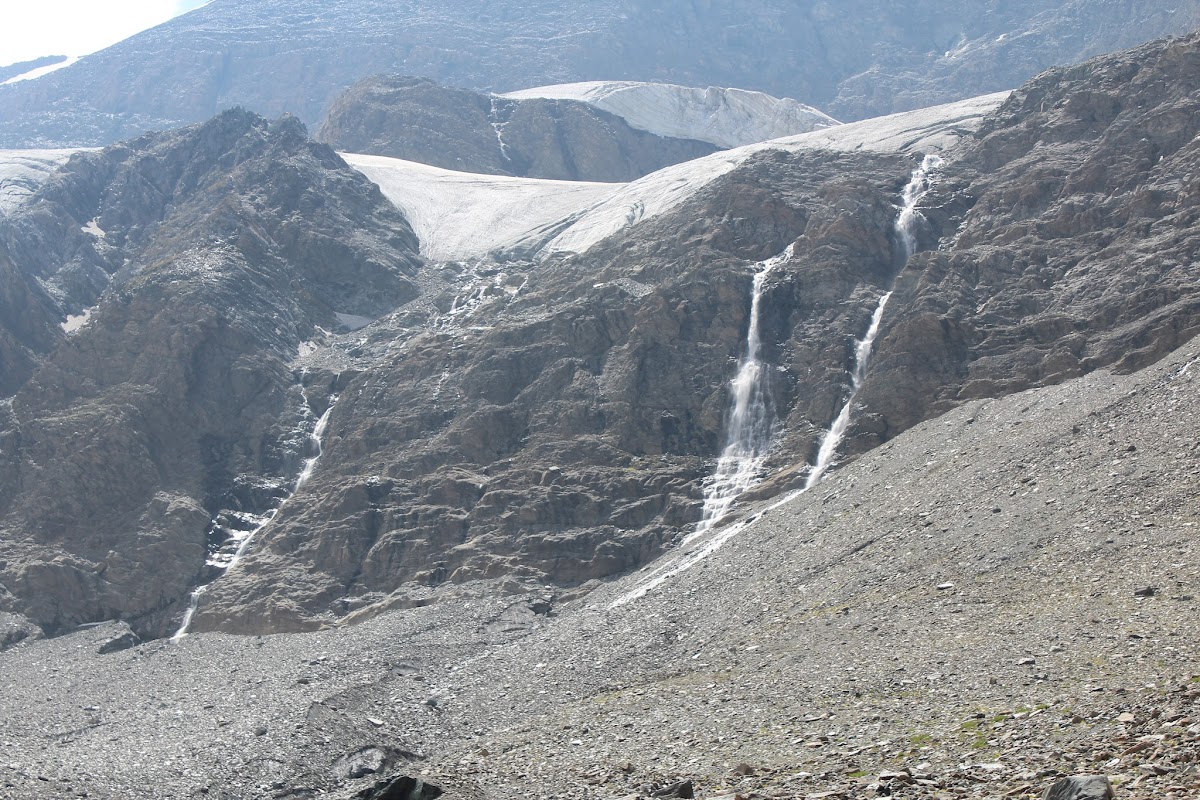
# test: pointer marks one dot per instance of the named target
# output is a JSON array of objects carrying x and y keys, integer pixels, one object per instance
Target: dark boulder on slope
[
  {"x": 418, "y": 120},
  {"x": 202, "y": 259}
]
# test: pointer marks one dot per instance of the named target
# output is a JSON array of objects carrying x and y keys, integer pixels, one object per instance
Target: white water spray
[
  {"x": 906, "y": 233},
  {"x": 224, "y": 560},
  {"x": 909, "y": 218},
  {"x": 315, "y": 442},
  {"x": 837, "y": 431},
  {"x": 748, "y": 434}
]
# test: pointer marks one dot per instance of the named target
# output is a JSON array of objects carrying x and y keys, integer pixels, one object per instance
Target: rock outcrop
[
  {"x": 195, "y": 264},
  {"x": 1069, "y": 230},
  {"x": 550, "y": 420},
  {"x": 563, "y": 430},
  {"x": 417, "y": 120},
  {"x": 853, "y": 59}
]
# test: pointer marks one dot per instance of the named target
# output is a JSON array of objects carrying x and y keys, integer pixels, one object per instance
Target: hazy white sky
[{"x": 32, "y": 28}]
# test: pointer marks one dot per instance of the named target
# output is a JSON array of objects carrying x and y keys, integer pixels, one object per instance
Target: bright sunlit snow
[
  {"x": 724, "y": 117},
  {"x": 40, "y": 71},
  {"x": 458, "y": 215},
  {"x": 923, "y": 131}
]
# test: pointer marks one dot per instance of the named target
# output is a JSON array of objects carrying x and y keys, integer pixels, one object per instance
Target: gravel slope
[{"x": 971, "y": 603}]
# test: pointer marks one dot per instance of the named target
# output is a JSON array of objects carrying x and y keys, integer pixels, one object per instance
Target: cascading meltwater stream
[
  {"x": 750, "y": 423},
  {"x": 906, "y": 233},
  {"x": 227, "y": 562}
]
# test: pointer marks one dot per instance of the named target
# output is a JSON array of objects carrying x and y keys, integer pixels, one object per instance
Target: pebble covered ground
[{"x": 999, "y": 597}]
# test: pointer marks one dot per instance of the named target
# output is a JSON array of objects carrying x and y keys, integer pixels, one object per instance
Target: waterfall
[
  {"x": 498, "y": 127},
  {"x": 750, "y": 424},
  {"x": 909, "y": 217},
  {"x": 315, "y": 442},
  {"x": 906, "y": 228},
  {"x": 226, "y": 559},
  {"x": 837, "y": 431},
  {"x": 750, "y": 421}
]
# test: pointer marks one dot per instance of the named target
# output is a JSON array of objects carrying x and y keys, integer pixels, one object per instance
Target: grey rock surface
[
  {"x": 200, "y": 260},
  {"x": 1081, "y": 787},
  {"x": 417, "y": 120}
]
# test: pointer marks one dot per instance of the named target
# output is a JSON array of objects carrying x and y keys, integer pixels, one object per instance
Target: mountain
[
  {"x": 417, "y": 120},
  {"x": 853, "y": 60},
  {"x": 186, "y": 268},
  {"x": 554, "y": 413},
  {"x": 860, "y": 462}
]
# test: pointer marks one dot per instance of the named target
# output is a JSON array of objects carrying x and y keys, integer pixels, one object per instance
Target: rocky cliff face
[
  {"x": 853, "y": 59},
  {"x": 549, "y": 419},
  {"x": 195, "y": 263},
  {"x": 1069, "y": 227},
  {"x": 417, "y": 120},
  {"x": 563, "y": 431}
]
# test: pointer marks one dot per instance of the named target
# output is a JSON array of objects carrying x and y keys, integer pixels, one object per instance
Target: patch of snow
[
  {"x": 927, "y": 130},
  {"x": 460, "y": 216},
  {"x": 76, "y": 322},
  {"x": 724, "y": 117},
  {"x": 353, "y": 322},
  {"x": 23, "y": 171},
  {"x": 34, "y": 74},
  {"x": 93, "y": 227}
]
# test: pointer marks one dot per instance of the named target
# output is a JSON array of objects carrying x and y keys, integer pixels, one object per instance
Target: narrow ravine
[{"x": 229, "y": 555}]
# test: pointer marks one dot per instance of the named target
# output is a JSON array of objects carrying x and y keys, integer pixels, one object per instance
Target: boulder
[{"x": 1081, "y": 787}]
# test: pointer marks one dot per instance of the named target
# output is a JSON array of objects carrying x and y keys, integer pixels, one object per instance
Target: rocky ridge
[
  {"x": 189, "y": 268},
  {"x": 417, "y": 120}
]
